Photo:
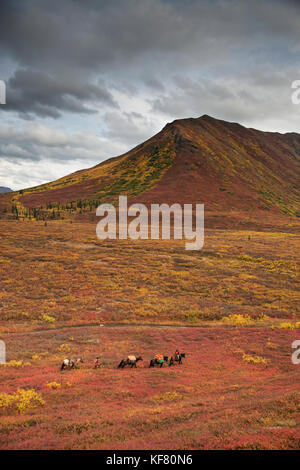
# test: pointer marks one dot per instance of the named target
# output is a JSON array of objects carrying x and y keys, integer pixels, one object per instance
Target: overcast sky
[{"x": 87, "y": 80}]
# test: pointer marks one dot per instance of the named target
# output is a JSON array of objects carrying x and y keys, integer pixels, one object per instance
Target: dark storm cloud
[
  {"x": 125, "y": 67},
  {"x": 36, "y": 92},
  {"x": 87, "y": 34},
  {"x": 60, "y": 49},
  {"x": 74, "y": 35}
]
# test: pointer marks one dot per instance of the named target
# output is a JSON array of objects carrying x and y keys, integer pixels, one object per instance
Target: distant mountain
[
  {"x": 224, "y": 165},
  {"x": 3, "y": 189}
]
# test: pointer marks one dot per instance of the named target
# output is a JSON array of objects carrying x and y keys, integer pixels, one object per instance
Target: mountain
[
  {"x": 4, "y": 189},
  {"x": 224, "y": 165}
]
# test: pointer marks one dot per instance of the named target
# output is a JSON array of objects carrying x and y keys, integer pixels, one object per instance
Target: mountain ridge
[
  {"x": 206, "y": 160},
  {"x": 5, "y": 189}
]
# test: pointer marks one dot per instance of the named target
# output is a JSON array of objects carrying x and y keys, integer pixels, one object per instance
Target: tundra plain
[{"x": 232, "y": 307}]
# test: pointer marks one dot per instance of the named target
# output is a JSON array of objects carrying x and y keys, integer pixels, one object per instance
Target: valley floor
[
  {"x": 61, "y": 274},
  {"x": 237, "y": 389},
  {"x": 239, "y": 296}
]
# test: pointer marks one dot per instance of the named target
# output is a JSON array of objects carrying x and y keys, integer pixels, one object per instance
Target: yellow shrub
[
  {"x": 255, "y": 359},
  {"x": 234, "y": 387},
  {"x": 14, "y": 363},
  {"x": 238, "y": 320},
  {"x": 36, "y": 357},
  {"x": 48, "y": 319},
  {"x": 262, "y": 317},
  {"x": 155, "y": 411},
  {"x": 167, "y": 397},
  {"x": 20, "y": 401},
  {"x": 286, "y": 326},
  {"x": 250, "y": 259},
  {"x": 27, "y": 399},
  {"x": 64, "y": 348},
  {"x": 270, "y": 345},
  {"x": 6, "y": 400},
  {"x": 53, "y": 385}
]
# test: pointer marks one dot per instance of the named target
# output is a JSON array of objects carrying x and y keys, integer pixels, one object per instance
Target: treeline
[
  {"x": 54, "y": 210},
  {"x": 74, "y": 205}
]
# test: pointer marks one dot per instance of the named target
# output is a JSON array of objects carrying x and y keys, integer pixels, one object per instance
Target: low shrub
[
  {"x": 53, "y": 385},
  {"x": 48, "y": 319},
  {"x": 255, "y": 359},
  {"x": 238, "y": 320},
  {"x": 287, "y": 326},
  {"x": 13, "y": 363},
  {"x": 20, "y": 401}
]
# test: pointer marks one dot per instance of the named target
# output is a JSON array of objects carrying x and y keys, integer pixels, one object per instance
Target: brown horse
[
  {"x": 176, "y": 358},
  {"x": 71, "y": 363},
  {"x": 130, "y": 361},
  {"x": 155, "y": 361}
]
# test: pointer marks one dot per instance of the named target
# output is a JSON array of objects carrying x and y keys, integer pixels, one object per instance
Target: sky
[{"x": 86, "y": 81}]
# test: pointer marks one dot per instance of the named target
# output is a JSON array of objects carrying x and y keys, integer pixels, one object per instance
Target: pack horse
[
  {"x": 129, "y": 361},
  {"x": 71, "y": 363}
]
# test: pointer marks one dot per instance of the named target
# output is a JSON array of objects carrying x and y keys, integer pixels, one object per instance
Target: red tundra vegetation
[
  {"x": 234, "y": 311},
  {"x": 232, "y": 308},
  {"x": 217, "y": 399}
]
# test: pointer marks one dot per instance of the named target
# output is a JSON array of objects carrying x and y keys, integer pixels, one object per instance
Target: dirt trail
[{"x": 125, "y": 325}]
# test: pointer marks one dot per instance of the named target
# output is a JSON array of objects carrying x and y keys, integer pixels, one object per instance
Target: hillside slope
[{"x": 223, "y": 165}]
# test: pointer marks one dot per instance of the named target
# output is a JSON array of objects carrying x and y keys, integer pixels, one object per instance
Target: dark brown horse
[
  {"x": 160, "y": 362},
  {"x": 176, "y": 358},
  {"x": 130, "y": 361}
]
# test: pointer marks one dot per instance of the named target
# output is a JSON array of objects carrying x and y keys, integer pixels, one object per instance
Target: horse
[
  {"x": 129, "y": 361},
  {"x": 156, "y": 361},
  {"x": 71, "y": 363},
  {"x": 176, "y": 358}
]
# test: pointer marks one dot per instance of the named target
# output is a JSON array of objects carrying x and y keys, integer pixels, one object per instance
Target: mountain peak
[
  {"x": 205, "y": 118},
  {"x": 201, "y": 160}
]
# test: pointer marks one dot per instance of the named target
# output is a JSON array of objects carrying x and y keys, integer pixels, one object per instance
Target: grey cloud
[
  {"x": 33, "y": 92},
  {"x": 139, "y": 63},
  {"x": 129, "y": 128},
  {"x": 61, "y": 51},
  {"x": 153, "y": 83},
  {"x": 36, "y": 154},
  {"x": 252, "y": 96},
  {"x": 38, "y": 142},
  {"x": 71, "y": 34}
]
